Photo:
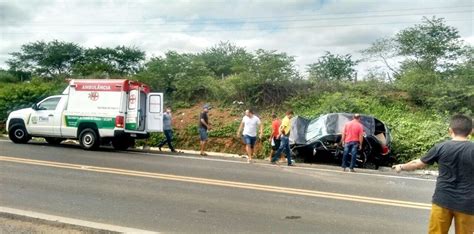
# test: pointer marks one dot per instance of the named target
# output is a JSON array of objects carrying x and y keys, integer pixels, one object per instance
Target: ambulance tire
[
  {"x": 88, "y": 139},
  {"x": 122, "y": 143},
  {"x": 18, "y": 134}
]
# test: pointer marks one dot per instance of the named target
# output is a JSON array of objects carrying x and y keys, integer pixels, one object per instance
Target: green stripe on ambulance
[{"x": 101, "y": 122}]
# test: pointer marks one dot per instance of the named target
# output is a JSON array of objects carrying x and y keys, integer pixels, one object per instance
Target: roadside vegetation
[{"x": 425, "y": 73}]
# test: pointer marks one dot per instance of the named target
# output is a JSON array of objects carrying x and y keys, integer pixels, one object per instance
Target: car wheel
[
  {"x": 18, "y": 134},
  {"x": 88, "y": 139},
  {"x": 53, "y": 140}
]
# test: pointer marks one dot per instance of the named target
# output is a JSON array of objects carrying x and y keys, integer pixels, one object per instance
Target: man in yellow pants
[{"x": 454, "y": 192}]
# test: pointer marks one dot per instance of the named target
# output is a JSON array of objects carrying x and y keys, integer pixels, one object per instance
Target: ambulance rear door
[
  {"x": 136, "y": 108},
  {"x": 154, "y": 112}
]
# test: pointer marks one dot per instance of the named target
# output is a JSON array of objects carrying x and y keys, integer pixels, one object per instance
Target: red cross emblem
[
  {"x": 93, "y": 96},
  {"x": 133, "y": 98}
]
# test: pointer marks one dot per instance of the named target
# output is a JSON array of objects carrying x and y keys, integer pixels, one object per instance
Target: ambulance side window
[
  {"x": 49, "y": 104},
  {"x": 154, "y": 104}
]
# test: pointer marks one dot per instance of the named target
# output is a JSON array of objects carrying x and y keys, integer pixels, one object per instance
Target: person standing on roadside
[
  {"x": 203, "y": 128},
  {"x": 167, "y": 130},
  {"x": 250, "y": 123},
  {"x": 275, "y": 136},
  {"x": 285, "y": 129},
  {"x": 454, "y": 193},
  {"x": 352, "y": 138}
]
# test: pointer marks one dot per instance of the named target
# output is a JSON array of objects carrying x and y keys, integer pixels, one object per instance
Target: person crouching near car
[
  {"x": 454, "y": 193},
  {"x": 352, "y": 138},
  {"x": 285, "y": 128},
  {"x": 250, "y": 123}
]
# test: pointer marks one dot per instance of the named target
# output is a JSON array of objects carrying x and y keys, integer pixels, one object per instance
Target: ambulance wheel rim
[
  {"x": 19, "y": 133},
  {"x": 88, "y": 139}
]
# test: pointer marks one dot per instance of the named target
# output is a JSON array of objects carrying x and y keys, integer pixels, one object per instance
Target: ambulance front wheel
[
  {"x": 18, "y": 134},
  {"x": 88, "y": 139}
]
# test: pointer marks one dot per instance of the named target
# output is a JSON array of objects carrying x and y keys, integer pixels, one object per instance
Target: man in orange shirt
[
  {"x": 352, "y": 138},
  {"x": 275, "y": 136}
]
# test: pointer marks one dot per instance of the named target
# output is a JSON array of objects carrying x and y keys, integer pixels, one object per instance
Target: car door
[{"x": 44, "y": 116}]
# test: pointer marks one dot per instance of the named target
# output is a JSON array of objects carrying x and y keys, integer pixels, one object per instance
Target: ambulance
[{"x": 95, "y": 112}]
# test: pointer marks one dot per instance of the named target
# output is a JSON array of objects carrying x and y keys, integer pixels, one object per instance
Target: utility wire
[
  {"x": 274, "y": 18},
  {"x": 255, "y": 22},
  {"x": 226, "y": 30}
]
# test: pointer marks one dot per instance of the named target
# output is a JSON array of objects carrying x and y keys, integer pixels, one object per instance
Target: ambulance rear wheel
[{"x": 88, "y": 139}]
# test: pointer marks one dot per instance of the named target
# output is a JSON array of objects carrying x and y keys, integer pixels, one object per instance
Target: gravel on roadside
[{"x": 11, "y": 223}]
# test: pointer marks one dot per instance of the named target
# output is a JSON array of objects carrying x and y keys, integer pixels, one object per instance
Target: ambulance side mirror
[{"x": 34, "y": 107}]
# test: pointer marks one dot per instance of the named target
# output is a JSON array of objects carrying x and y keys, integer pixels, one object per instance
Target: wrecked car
[{"x": 319, "y": 139}]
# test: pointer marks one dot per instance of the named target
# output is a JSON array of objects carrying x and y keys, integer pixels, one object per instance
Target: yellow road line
[{"x": 259, "y": 187}]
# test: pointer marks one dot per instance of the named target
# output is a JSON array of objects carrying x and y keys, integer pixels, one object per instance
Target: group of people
[
  {"x": 168, "y": 130},
  {"x": 454, "y": 193},
  {"x": 247, "y": 130},
  {"x": 279, "y": 138}
]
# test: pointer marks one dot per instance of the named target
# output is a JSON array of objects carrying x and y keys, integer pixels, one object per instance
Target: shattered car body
[{"x": 313, "y": 139}]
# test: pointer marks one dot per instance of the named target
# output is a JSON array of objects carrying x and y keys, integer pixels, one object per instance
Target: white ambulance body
[{"x": 93, "y": 111}]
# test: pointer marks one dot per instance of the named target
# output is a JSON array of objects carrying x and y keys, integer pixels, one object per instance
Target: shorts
[
  {"x": 249, "y": 140},
  {"x": 203, "y": 134},
  {"x": 276, "y": 143}
]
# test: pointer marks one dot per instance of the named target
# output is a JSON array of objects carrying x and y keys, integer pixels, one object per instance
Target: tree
[
  {"x": 271, "y": 66},
  {"x": 225, "y": 59},
  {"x": 120, "y": 61},
  {"x": 268, "y": 82},
  {"x": 184, "y": 76},
  {"x": 430, "y": 45},
  {"x": 50, "y": 59},
  {"x": 383, "y": 50},
  {"x": 333, "y": 68}
]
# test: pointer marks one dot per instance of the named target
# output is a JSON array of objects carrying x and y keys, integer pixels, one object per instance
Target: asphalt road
[{"x": 185, "y": 193}]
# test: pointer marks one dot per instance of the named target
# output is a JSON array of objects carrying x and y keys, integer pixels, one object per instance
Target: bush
[
  {"x": 7, "y": 77},
  {"x": 21, "y": 95}
]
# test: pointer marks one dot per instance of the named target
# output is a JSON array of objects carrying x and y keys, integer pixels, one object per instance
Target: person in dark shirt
[
  {"x": 454, "y": 192},
  {"x": 203, "y": 128},
  {"x": 167, "y": 130}
]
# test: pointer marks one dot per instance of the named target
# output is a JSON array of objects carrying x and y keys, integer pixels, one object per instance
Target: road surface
[{"x": 185, "y": 193}]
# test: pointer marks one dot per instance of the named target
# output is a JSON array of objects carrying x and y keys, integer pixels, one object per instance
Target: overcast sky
[{"x": 302, "y": 28}]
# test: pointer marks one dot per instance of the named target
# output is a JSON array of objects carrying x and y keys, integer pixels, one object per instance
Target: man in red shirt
[{"x": 352, "y": 138}]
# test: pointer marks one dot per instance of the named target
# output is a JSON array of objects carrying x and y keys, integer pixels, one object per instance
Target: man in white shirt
[{"x": 250, "y": 123}]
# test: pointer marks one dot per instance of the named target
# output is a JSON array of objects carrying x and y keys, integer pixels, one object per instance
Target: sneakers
[
  {"x": 203, "y": 154},
  {"x": 352, "y": 170},
  {"x": 159, "y": 148}
]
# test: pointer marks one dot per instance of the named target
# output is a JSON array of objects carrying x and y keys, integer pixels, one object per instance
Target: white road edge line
[{"x": 71, "y": 221}]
